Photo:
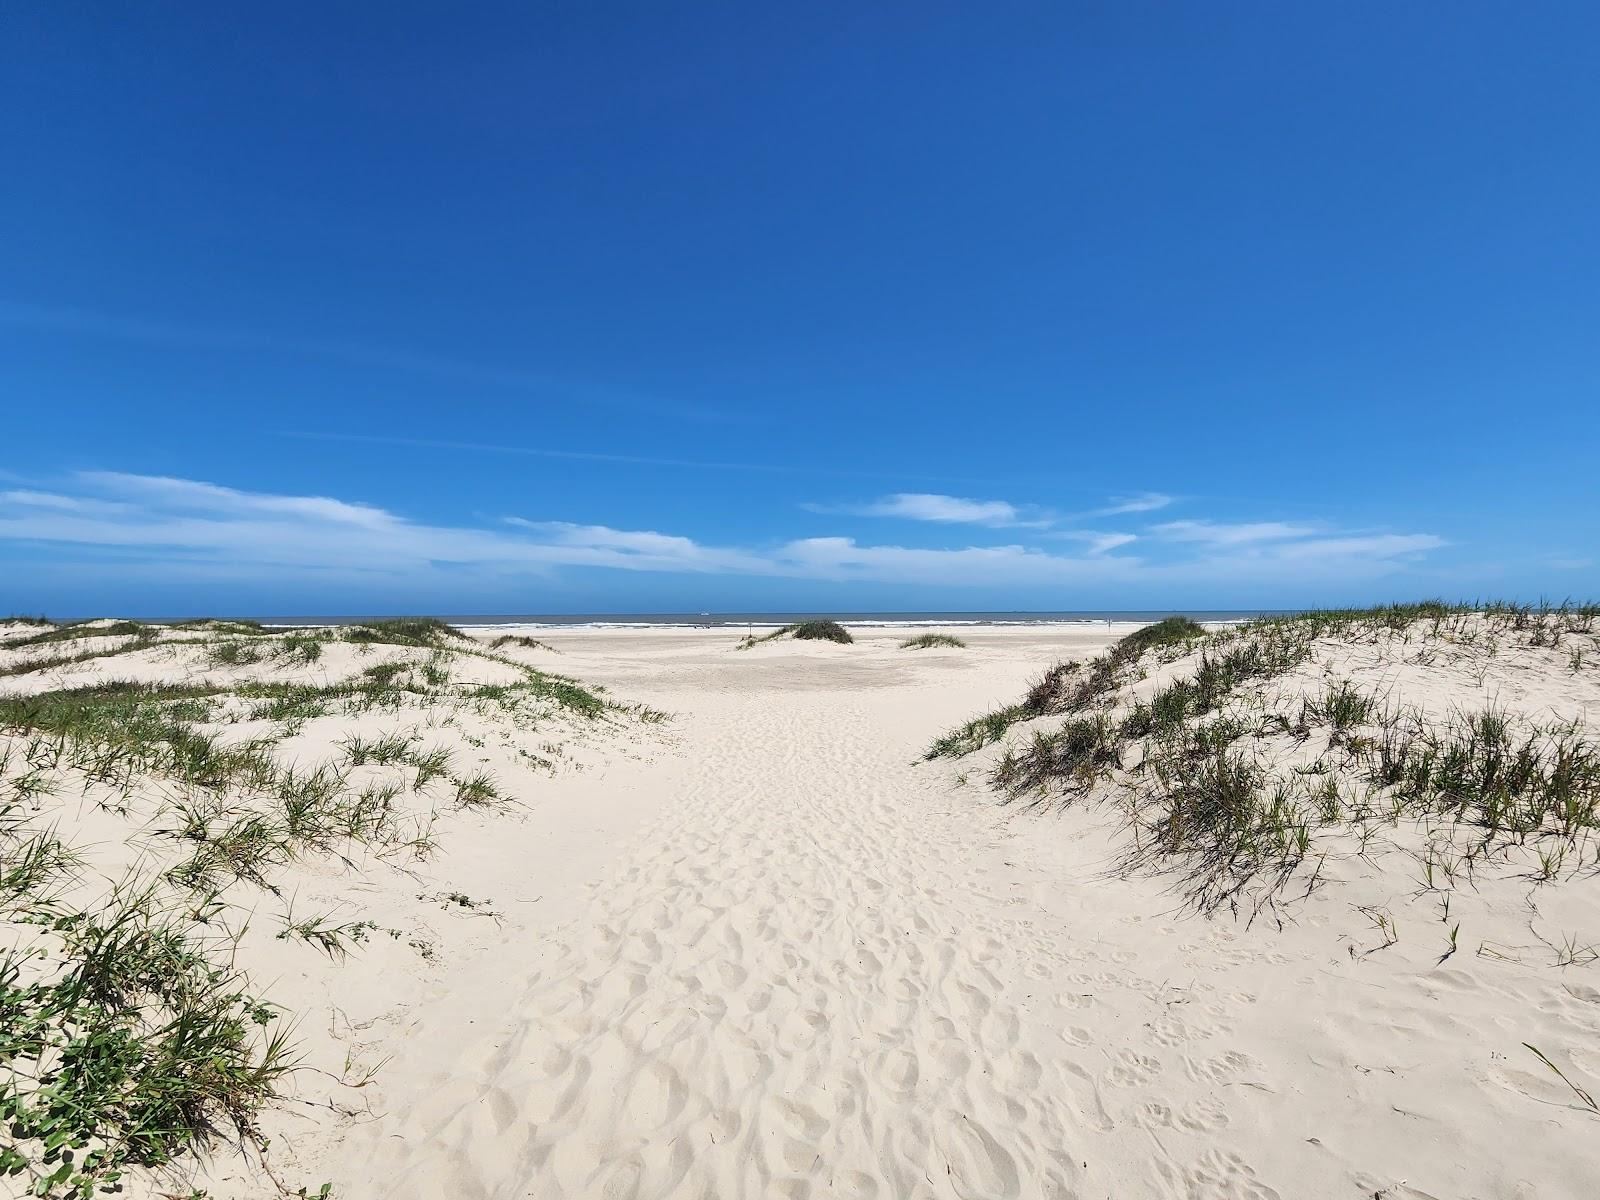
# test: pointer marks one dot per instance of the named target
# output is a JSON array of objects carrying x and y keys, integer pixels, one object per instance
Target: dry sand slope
[{"x": 826, "y": 971}]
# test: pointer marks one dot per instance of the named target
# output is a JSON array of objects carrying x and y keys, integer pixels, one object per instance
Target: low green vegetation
[
  {"x": 1234, "y": 787},
  {"x": 406, "y": 631},
  {"x": 977, "y": 733},
  {"x": 124, "y": 1041},
  {"x": 517, "y": 639},
  {"x": 930, "y": 641},
  {"x": 1066, "y": 687},
  {"x": 82, "y": 630},
  {"x": 126, "y": 1035},
  {"x": 1170, "y": 631},
  {"x": 821, "y": 631},
  {"x": 218, "y": 625},
  {"x": 814, "y": 631}
]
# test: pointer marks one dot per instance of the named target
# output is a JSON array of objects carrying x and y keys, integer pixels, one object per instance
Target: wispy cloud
[
  {"x": 200, "y": 530},
  {"x": 1219, "y": 534},
  {"x": 1139, "y": 503},
  {"x": 1099, "y": 542},
  {"x": 186, "y": 495},
  {"x": 1386, "y": 546},
  {"x": 949, "y": 510},
  {"x": 1283, "y": 541},
  {"x": 926, "y": 506},
  {"x": 71, "y": 504}
]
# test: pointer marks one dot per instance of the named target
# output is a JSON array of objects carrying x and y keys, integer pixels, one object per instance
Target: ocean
[{"x": 776, "y": 619}]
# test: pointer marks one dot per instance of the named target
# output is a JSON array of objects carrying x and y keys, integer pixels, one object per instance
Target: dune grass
[
  {"x": 1072, "y": 686},
  {"x": 241, "y": 627},
  {"x": 126, "y": 1036},
  {"x": 930, "y": 641},
  {"x": 405, "y": 631},
  {"x": 1169, "y": 631},
  {"x": 526, "y": 643},
  {"x": 80, "y": 630},
  {"x": 751, "y": 639},
  {"x": 976, "y": 733},
  {"x": 813, "y": 631},
  {"x": 125, "y": 1042},
  {"x": 1199, "y": 794},
  {"x": 821, "y": 631}
]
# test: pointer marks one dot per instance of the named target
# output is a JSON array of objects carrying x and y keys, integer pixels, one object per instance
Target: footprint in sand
[
  {"x": 978, "y": 1167},
  {"x": 1222, "y": 1175},
  {"x": 1129, "y": 1069},
  {"x": 1205, "y": 1115},
  {"x": 1223, "y": 1067}
]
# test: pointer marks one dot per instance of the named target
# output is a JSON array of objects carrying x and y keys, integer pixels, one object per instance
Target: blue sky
[{"x": 322, "y": 308}]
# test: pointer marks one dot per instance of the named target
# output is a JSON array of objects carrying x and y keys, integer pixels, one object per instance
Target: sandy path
[
  {"x": 794, "y": 989},
  {"x": 825, "y": 971},
  {"x": 802, "y": 981}
]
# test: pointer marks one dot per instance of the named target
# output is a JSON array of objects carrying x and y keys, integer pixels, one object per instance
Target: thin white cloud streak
[
  {"x": 999, "y": 514},
  {"x": 188, "y": 495},
  {"x": 1377, "y": 546},
  {"x": 1285, "y": 542},
  {"x": 942, "y": 509},
  {"x": 72, "y": 504},
  {"x": 200, "y": 529},
  {"x": 1099, "y": 542},
  {"x": 1142, "y": 502},
  {"x": 1216, "y": 534}
]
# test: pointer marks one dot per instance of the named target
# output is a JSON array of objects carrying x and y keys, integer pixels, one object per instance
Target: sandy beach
[
  {"x": 800, "y": 602},
  {"x": 745, "y": 941}
]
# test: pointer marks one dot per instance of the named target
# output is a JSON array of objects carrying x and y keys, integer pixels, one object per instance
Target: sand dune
[{"x": 766, "y": 950}]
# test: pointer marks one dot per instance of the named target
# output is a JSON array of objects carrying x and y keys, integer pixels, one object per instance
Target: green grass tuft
[
  {"x": 828, "y": 631},
  {"x": 124, "y": 1044},
  {"x": 1170, "y": 631},
  {"x": 527, "y": 643},
  {"x": 976, "y": 733},
  {"x": 405, "y": 631},
  {"x": 821, "y": 631},
  {"x": 929, "y": 641}
]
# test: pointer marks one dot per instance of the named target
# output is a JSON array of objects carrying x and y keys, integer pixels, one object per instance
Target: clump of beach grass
[
  {"x": 822, "y": 631},
  {"x": 812, "y": 631},
  {"x": 525, "y": 642},
  {"x": 1169, "y": 631},
  {"x": 976, "y": 733},
  {"x": 930, "y": 641}
]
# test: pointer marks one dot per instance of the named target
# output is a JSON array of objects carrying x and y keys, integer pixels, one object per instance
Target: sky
[{"x": 526, "y": 308}]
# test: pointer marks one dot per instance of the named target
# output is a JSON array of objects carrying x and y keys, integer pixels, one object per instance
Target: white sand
[{"x": 764, "y": 950}]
